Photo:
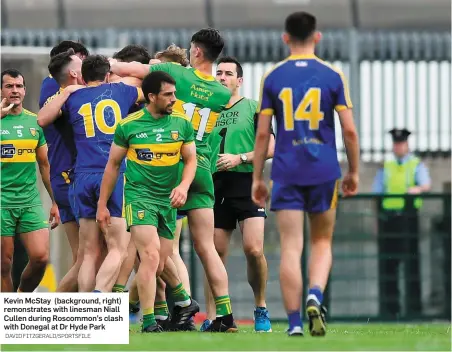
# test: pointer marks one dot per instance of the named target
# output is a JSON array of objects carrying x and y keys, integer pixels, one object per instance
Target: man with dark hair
[
  {"x": 80, "y": 50},
  {"x": 201, "y": 98},
  {"x": 303, "y": 92},
  {"x": 94, "y": 112},
  {"x": 133, "y": 52},
  {"x": 232, "y": 142},
  {"x": 22, "y": 145},
  {"x": 66, "y": 69},
  {"x": 152, "y": 191}
]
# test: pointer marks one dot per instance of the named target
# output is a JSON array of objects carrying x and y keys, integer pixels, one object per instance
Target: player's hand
[
  {"x": 154, "y": 61},
  {"x": 350, "y": 184},
  {"x": 73, "y": 88},
  {"x": 112, "y": 61},
  {"x": 6, "y": 108},
  {"x": 178, "y": 196},
  {"x": 414, "y": 190},
  {"x": 103, "y": 217},
  {"x": 259, "y": 193},
  {"x": 54, "y": 218},
  {"x": 227, "y": 161}
]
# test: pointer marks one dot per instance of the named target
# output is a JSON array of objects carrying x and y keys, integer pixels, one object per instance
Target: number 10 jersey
[
  {"x": 94, "y": 113},
  {"x": 201, "y": 98}
]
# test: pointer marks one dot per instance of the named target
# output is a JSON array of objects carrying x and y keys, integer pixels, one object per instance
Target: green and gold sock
[
  {"x": 148, "y": 317},
  {"x": 180, "y": 296},
  {"x": 223, "y": 305},
  {"x": 161, "y": 311},
  {"x": 118, "y": 288}
]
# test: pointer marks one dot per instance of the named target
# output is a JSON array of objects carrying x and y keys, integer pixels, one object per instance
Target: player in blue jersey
[
  {"x": 94, "y": 112},
  {"x": 302, "y": 92},
  {"x": 65, "y": 69}
]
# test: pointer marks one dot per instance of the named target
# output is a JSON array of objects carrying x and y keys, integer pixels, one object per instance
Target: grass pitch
[{"x": 340, "y": 337}]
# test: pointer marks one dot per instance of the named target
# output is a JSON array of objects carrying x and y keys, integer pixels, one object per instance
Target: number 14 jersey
[
  {"x": 201, "y": 98},
  {"x": 94, "y": 113}
]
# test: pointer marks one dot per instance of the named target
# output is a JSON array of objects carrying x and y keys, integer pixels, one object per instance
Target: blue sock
[
  {"x": 97, "y": 291},
  {"x": 316, "y": 292},
  {"x": 294, "y": 319}
]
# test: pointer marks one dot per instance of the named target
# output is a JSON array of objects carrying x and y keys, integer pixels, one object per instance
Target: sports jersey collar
[
  {"x": 230, "y": 106},
  {"x": 299, "y": 57},
  {"x": 203, "y": 75}
]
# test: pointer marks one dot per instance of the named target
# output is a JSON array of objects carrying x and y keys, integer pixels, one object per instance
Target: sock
[
  {"x": 148, "y": 317},
  {"x": 316, "y": 294},
  {"x": 97, "y": 291},
  {"x": 118, "y": 288},
  {"x": 294, "y": 319},
  {"x": 134, "y": 302},
  {"x": 181, "y": 297},
  {"x": 223, "y": 305},
  {"x": 161, "y": 310}
]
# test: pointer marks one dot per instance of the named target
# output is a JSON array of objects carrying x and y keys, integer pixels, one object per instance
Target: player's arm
[
  {"x": 179, "y": 194},
  {"x": 351, "y": 141},
  {"x": 131, "y": 81},
  {"x": 44, "y": 170},
  {"x": 126, "y": 69},
  {"x": 52, "y": 108}
]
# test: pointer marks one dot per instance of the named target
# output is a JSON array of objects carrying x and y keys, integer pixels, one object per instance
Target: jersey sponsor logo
[
  {"x": 5, "y": 132},
  {"x": 140, "y": 214},
  {"x": 145, "y": 154},
  {"x": 227, "y": 118},
  {"x": 175, "y": 135},
  {"x": 141, "y": 135},
  {"x": 7, "y": 151},
  {"x": 33, "y": 131}
]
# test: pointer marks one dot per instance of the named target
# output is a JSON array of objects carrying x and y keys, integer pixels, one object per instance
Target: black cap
[{"x": 399, "y": 135}]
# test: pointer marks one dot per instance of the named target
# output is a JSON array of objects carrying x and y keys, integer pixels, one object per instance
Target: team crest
[
  {"x": 140, "y": 214},
  {"x": 175, "y": 135},
  {"x": 33, "y": 131}
]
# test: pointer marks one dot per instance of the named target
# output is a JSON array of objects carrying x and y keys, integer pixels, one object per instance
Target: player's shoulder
[
  {"x": 251, "y": 102},
  {"x": 29, "y": 113},
  {"x": 131, "y": 118},
  {"x": 328, "y": 67},
  {"x": 180, "y": 118},
  {"x": 275, "y": 69}
]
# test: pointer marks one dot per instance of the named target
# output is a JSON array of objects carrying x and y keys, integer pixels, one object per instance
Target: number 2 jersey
[
  {"x": 303, "y": 92},
  {"x": 94, "y": 113},
  {"x": 201, "y": 98}
]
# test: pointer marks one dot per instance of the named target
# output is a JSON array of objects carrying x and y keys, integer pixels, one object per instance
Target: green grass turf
[{"x": 340, "y": 337}]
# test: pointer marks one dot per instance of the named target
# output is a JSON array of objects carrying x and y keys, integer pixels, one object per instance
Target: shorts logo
[
  {"x": 175, "y": 135},
  {"x": 33, "y": 131},
  {"x": 140, "y": 214}
]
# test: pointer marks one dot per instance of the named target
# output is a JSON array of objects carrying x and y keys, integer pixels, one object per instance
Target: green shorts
[
  {"x": 201, "y": 192},
  {"x": 22, "y": 220},
  {"x": 148, "y": 213}
]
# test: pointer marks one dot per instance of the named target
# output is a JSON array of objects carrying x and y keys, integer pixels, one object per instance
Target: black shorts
[{"x": 229, "y": 211}]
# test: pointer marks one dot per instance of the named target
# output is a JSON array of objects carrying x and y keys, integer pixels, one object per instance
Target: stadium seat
[
  {"x": 271, "y": 13},
  {"x": 30, "y": 14},
  {"x": 135, "y": 13},
  {"x": 404, "y": 14}
]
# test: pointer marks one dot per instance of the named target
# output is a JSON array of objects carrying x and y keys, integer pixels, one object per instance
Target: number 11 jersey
[
  {"x": 94, "y": 113},
  {"x": 201, "y": 98}
]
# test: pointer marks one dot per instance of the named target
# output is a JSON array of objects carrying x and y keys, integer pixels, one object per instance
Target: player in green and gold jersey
[
  {"x": 22, "y": 145},
  {"x": 201, "y": 98},
  {"x": 232, "y": 142},
  {"x": 153, "y": 140}
]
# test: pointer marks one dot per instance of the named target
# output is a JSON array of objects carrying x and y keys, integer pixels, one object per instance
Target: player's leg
[
  {"x": 34, "y": 233},
  {"x": 20, "y": 261},
  {"x": 134, "y": 299},
  {"x": 176, "y": 257},
  {"x": 225, "y": 221},
  {"x": 322, "y": 218},
  {"x": 184, "y": 306},
  {"x": 288, "y": 202},
  {"x": 148, "y": 245},
  {"x": 8, "y": 220},
  {"x": 69, "y": 283},
  {"x": 251, "y": 221},
  {"x": 161, "y": 306},
  {"x": 126, "y": 268},
  {"x": 117, "y": 239},
  {"x": 89, "y": 233},
  {"x": 199, "y": 204}
]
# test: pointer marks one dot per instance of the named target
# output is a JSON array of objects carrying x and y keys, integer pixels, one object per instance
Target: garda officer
[{"x": 398, "y": 226}]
